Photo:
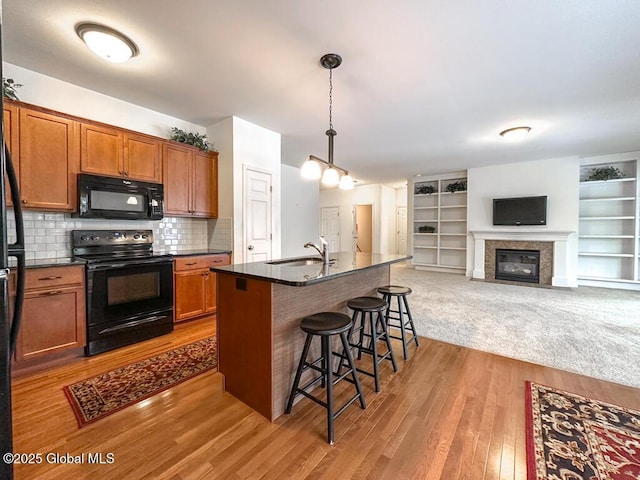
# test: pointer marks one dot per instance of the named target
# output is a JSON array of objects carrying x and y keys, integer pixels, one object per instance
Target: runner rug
[
  {"x": 97, "y": 397},
  {"x": 577, "y": 438}
]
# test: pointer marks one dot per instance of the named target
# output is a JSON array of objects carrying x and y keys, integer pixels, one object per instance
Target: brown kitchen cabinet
[
  {"x": 113, "y": 152},
  {"x": 195, "y": 285},
  {"x": 190, "y": 178},
  {"x": 10, "y": 124},
  {"x": 53, "y": 323},
  {"x": 45, "y": 149}
]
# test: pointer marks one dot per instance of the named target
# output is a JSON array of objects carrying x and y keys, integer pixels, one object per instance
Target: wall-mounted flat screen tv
[{"x": 520, "y": 211}]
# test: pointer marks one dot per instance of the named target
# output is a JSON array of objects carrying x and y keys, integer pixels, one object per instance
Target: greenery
[
  {"x": 426, "y": 229},
  {"x": 425, "y": 189},
  {"x": 460, "y": 186},
  {"x": 195, "y": 139},
  {"x": 604, "y": 173},
  {"x": 9, "y": 88}
]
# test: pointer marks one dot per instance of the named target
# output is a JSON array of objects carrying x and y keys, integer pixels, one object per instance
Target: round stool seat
[
  {"x": 394, "y": 290},
  {"x": 367, "y": 304},
  {"x": 326, "y": 323}
]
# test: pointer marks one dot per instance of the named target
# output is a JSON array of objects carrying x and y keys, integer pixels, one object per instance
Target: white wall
[
  {"x": 242, "y": 145},
  {"x": 556, "y": 178},
  {"x": 65, "y": 97},
  {"x": 300, "y": 212},
  {"x": 382, "y": 199}
]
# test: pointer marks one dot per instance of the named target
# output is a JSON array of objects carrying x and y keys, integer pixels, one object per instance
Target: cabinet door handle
[
  {"x": 58, "y": 277},
  {"x": 24, "y": 200},
  {"x": 53, "y": 292},
  {"x": 189, "y": 264},
  {"x": 217, "y": 261}
]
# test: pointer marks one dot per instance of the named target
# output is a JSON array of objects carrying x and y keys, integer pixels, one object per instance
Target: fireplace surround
[{"x": 557, "y": 263}]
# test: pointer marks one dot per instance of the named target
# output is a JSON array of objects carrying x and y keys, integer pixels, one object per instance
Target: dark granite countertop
[
  {"x": 299, "y": 275},
  {"x": 52, "y": 262}
]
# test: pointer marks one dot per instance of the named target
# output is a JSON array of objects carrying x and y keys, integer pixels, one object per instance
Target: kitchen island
[{"x": 260, "y": 306}]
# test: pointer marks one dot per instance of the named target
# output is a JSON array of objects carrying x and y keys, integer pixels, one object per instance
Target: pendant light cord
[{"x": 331, "y": 99}]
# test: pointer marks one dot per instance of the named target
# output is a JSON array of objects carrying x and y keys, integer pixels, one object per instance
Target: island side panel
[
  {"x": 244, "y": 335},
  {"x": 291, "y": 304}
]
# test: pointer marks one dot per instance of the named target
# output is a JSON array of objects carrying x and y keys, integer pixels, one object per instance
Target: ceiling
[{"x": 425, "y": 85}]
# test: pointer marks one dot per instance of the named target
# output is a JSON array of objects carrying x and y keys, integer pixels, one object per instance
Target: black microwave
[{"x": 118, "y": 198}]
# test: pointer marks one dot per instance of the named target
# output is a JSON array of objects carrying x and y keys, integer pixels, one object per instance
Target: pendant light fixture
[
  {"x": 107, "y": 43},
  {"x": 312, "y": 168}
]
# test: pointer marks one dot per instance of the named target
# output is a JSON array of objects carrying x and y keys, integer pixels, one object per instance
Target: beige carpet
[{"x": 592, "y": 331}]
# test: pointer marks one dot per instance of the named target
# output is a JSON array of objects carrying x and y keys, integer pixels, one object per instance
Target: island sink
[{"x": 298, "y": 262}]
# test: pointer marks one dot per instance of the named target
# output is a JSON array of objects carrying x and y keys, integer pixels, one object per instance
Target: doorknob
[{"x": 250, "y": 247}]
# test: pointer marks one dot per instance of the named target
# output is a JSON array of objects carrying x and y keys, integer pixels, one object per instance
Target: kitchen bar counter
[
  {"x": 291, "y": 272},
  {"x": 260, "y": 306}
]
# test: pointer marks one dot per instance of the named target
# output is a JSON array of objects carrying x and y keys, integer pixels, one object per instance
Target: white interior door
[
  {"x": 257, "y": 188},
  {"x": 330, "y": 227},
  {"x": 401, "y": 219}
]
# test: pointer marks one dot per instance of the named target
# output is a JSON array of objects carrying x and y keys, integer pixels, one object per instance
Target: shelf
[
  {"x": 608, "y": 199},
  {"x": 453, "y": 193},
  {"x": 435, "y": 194},
  {"x": 425, "y": 247},
  {"x": 452, "y": 248},
  {"x": 453, "y": 234},
  {"x": 615, "y": 180},
  {"x": 605, "y": 236},
  {"x": 452, "y": 206},
  {"x": 615, "y": 255},
  {"x": 425, "y": 208},
  {"x": 456, "y": 220},
  {"x": 608, "y": 218},
  {"x": 434, "y": 233},
  {"x": 607, "y": 279}
]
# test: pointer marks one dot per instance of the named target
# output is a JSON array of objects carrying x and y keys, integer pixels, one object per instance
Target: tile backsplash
[{"x": 48, "y": 235}]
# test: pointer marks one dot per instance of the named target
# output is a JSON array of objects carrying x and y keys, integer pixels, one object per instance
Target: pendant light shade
[
  {"x": 330, "y": 177},
  {"x": 312, "y": 168},
  {"x": 107, "y": 43}
]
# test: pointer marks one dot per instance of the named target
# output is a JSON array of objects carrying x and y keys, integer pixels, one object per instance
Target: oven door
[{"x": 128, "y": 302}]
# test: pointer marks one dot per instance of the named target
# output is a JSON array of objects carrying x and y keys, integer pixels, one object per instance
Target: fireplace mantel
[{"x": 563, "y": 262}]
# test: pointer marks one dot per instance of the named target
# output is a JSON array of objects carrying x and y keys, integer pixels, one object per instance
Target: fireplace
[{"x": 518, "y": 265}]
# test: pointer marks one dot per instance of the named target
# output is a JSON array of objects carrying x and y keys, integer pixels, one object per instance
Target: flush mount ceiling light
[
  {"x": 312, "y": 168},
  {"x": 515, "y": 133},
  {"x": 107, "y": 43}
]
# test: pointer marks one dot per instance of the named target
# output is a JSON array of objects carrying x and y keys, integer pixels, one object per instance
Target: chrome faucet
[{"x": 324, "y": 253}]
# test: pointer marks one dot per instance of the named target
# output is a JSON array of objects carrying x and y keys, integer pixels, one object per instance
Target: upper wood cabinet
[
  {"x": 190, "y": 179},
  {"x": 48, "y": 149},
  {"x": 114, "y": 152},
  {"x": 10, "y": 123}
]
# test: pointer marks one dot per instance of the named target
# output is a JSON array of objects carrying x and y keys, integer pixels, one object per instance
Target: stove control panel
[{"x": 96, "y": 238}]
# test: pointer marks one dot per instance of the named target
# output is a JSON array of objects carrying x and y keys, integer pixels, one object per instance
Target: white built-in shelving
[
  {"x": 608, "y": 234},
  {"x": 439, "y": 222}
]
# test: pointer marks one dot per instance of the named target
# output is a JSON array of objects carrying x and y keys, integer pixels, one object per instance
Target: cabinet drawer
[
  {"x": 191, "y": 263},
  {"x": 37, "y": 278},
  {"x": 218, "y": 260}
]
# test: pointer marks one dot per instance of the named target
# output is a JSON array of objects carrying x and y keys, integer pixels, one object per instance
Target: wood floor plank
[{"x": 449, "y": 413}]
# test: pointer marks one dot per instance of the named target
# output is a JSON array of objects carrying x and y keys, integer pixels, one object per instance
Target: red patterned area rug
[
  {"x": 97, "y": 397},
  {"x": 570, "y": 437}
]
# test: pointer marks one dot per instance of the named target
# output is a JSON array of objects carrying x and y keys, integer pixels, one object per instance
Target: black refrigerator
[{"x": 9, "y": 317}]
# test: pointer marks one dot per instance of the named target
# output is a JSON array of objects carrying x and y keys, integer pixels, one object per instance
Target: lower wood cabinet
[
  {"x": 53, "y": 319},
  {"x": 195, "y": 285}
]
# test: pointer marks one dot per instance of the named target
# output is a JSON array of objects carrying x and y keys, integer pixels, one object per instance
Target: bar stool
[
  {"x": 400, "y": 293},
  {"x": 326, "y": 325},
  {"x": 377, "y": 331}
]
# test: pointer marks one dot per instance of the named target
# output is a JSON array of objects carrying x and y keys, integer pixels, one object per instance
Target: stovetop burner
[{"x": 96, "y": 246}]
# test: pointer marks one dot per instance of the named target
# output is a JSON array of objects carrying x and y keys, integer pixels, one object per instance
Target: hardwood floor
[{"x": 449, "y": 413}]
